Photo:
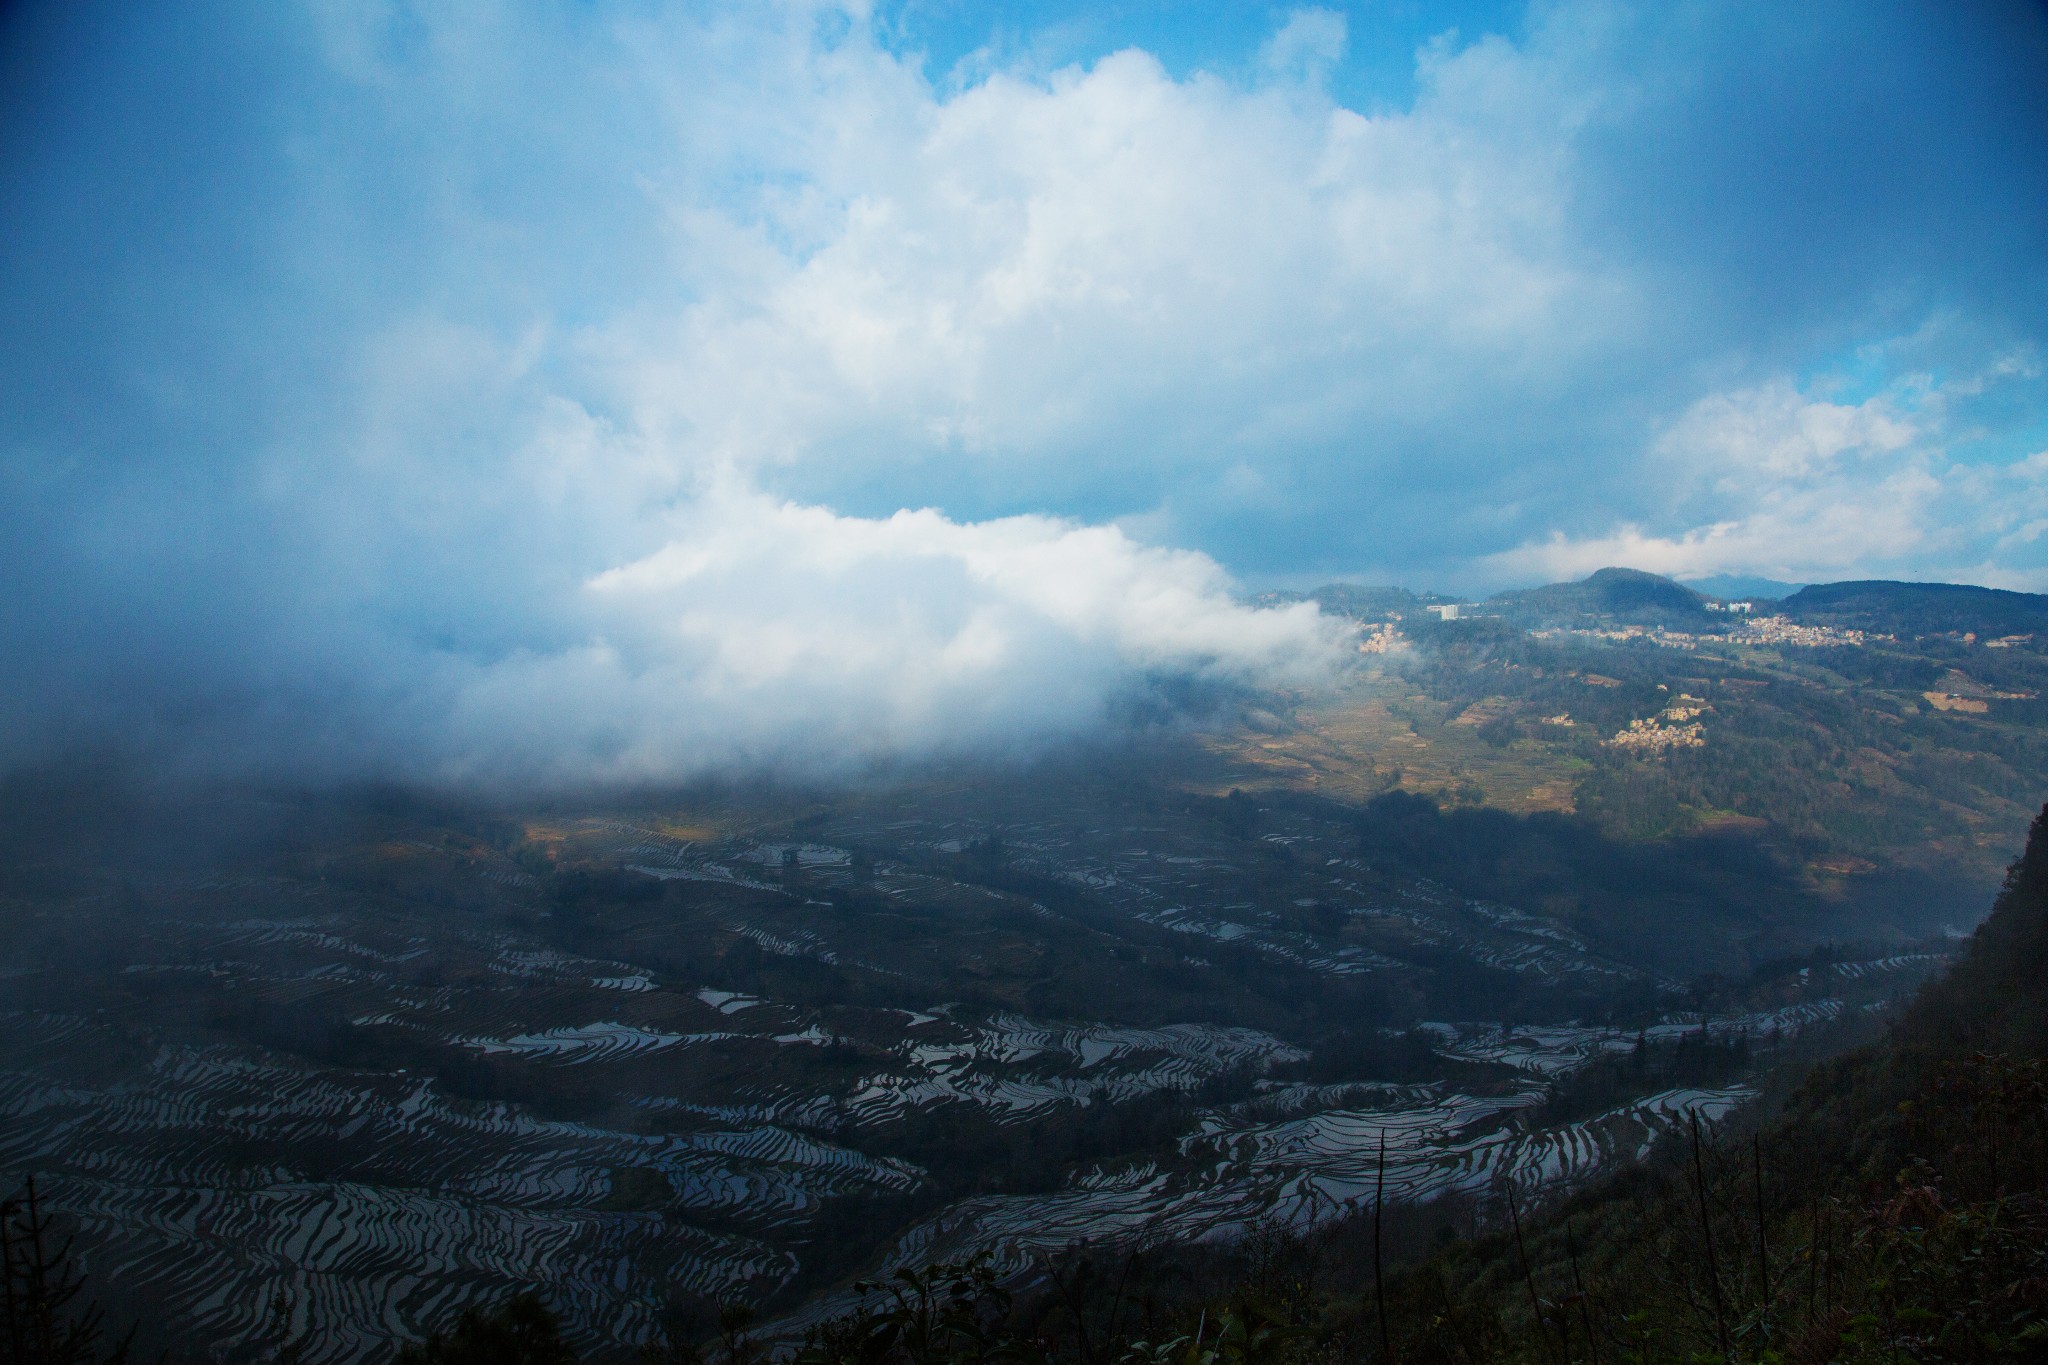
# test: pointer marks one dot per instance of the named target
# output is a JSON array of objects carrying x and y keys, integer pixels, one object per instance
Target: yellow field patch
[
  {"x": 1352, "y": 746},
  {"x": 695, "y": 833}
]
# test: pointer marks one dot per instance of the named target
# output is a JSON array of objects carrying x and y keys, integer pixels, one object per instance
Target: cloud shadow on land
[{"x": 1724, "y": 901}]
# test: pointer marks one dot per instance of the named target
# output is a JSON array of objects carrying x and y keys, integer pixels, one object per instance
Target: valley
[{"x": 342, "y": 1066}]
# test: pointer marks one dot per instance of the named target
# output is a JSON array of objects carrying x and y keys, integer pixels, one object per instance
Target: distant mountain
[
  {"x": 1920, "y": 608},
  {"x": 1628, "y": 596},
  {"x": 1618, "y": 596},
  {"x": 1366, "y": 602},
  {"x": 1362, "y": 601},
  {"x": 1734, "y": 585}
]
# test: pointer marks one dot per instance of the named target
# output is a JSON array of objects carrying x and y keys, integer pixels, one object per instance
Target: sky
[{"x": 549, "y": 394}]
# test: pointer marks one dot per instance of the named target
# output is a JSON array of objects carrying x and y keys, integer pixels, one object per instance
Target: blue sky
[
  {"x": 385, "y": 383},
  {"x": 959, "y": 42}
]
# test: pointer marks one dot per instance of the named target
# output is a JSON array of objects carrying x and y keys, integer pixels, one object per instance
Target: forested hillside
[{"x": 1891, "y": 1209}]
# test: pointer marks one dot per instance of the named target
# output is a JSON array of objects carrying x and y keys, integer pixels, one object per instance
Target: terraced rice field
[
  {"x": 190, "y": 1179},
  {"x": 1240, "y": 1170},
  {"x": 1060, "y": 1064},
  {"x": 209, "y": 1176},
  {"x": 1558, "y": 1050},
  {"x": 1155, "y": 876},
  {"x": 390, "y": 1105},
  {"x": 1918, "y": 964}
]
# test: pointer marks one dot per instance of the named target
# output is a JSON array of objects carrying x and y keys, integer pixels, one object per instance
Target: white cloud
[
  {"x": 1774, "y": 431},
  {"x": 1016, "y": 273},
  {"x": 768, "y": 634},
  {"x": 1806, "y": 535},
  {"x": 1785, "y": 482},
  {"x": 1306, "y": 46}
]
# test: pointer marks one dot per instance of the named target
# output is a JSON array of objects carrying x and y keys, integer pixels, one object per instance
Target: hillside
[
  {"x": 1893, "y": 1208},
  {"x": 1627, "y": 596},
  {"x": 1893, "y": 752},
  {"x": 1911, "y": 609}
]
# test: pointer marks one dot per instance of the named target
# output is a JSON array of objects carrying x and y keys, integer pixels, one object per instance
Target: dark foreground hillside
[{"x": 1892, "y": 1208}]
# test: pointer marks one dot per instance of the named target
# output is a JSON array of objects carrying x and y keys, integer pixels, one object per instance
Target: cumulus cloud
[
  {"x": 1793, "y": 484},
  {"x": 1799, "y": 535},
  {"x": 1191, "y": 273},
  {"x": 1774, "y": 431}
]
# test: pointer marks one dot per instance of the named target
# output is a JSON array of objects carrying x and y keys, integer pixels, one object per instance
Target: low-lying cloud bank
[
  {"x": 761, "y": 637},
  {"x": 779, "y": 637}
]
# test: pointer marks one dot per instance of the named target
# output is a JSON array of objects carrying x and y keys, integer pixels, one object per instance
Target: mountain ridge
[{"x": 1619, "y": 591}]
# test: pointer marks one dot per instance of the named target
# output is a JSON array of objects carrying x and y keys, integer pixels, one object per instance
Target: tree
[
  {"x": 522, "y": 1332},
  {"x": 43, "y": 1319}
]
